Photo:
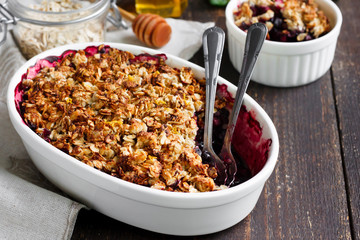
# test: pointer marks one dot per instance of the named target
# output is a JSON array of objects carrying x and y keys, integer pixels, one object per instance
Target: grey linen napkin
[{"x": 30, "y": 206}]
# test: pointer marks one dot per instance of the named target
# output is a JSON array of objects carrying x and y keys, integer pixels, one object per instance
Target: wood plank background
[
  {"x": 314, "y": 190},
  {"x": 346, "y": 78}
]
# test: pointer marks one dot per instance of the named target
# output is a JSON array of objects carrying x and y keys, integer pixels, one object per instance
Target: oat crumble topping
[
  {"x": 133, "y": 117},
  {"x": 286, "y": 20}
]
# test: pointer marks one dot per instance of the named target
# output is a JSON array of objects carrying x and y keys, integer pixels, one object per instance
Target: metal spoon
[
  {"x": 254, "y": 40},
  {"x": 213, "y": 44}
]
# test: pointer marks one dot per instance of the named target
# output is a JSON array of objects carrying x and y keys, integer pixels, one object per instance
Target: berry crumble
[
  {"x": 286, "y": 20},
  {"x": 133, "y": 117}
]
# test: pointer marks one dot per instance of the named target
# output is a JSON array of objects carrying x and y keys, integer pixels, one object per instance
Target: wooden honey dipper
[{"x": 149, "y": 28}]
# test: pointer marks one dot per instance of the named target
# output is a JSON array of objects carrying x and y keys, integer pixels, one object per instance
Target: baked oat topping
[
  {"x": 286, "y": 20},
  {"x": 133, "y": 117}
]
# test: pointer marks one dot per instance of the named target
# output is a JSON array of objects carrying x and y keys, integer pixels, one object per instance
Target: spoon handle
[
  {"x": 254, "y": 40},
  {"x": 213, "y": 44}
]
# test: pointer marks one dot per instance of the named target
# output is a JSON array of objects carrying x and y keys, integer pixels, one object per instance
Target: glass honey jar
[{"x": 164, "y": 8}]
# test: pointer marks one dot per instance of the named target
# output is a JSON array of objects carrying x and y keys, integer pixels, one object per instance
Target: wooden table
[{"x": 314, "y": 191}]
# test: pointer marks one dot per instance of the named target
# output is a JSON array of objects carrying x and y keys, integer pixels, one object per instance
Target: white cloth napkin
[
  {"x": 186, "y": 37},
  {"x": 30, "y": 206}
]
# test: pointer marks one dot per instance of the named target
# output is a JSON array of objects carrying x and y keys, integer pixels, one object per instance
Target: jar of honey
[{"x": 164, "y": 8}]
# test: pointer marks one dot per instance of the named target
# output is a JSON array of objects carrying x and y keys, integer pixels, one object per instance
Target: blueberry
[
  {"x": 224, "y": 115},
  {"x": 51, "y": 59},
  {"x": 217, "y": 121},
  {"x": 32, "y": 126},
  {"x": 283, "y": 38},
  {"x": 261, "y": 9},
  {"x": 200, "y": 145},
  {"x": 254, "y": 10},
  {"x": 308, "y": 37},
  {"x": 65, "y": 150},
  {"x": 198, "y": 150},
  {"x": 205, "y": 155},
  {"x": 175, "y": 184},
  {"x": 291, "y": 34},
  {"x": 102, "y": 50},
  {"x": 243, "y": 26},
  {"x": 46, "y": 133},
  {"x": 278, "y": 22}
]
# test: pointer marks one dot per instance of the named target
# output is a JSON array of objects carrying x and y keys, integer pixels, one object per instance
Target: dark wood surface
[{"x": 314, "y": 190}]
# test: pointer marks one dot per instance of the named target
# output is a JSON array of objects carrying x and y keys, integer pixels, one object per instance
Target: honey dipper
[{"x": 149, "y": 28}]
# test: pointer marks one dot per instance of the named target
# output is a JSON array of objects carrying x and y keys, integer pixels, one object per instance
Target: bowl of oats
[
  {"x": 301, "y": 40},
  {"x": 120, "y": 127}
]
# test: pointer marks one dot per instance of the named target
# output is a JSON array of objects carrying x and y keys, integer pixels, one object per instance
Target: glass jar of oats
[{"x": 39, "y": 25}]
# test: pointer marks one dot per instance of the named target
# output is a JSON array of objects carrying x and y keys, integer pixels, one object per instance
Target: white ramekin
[
  {"x": 156, "y": 210},
  {"x": 287, "y": 64}
]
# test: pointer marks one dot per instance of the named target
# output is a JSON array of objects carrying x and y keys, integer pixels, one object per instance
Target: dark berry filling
[
  {"x": 279, "y": 30},
  {"x": 249, "y": 148}
]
